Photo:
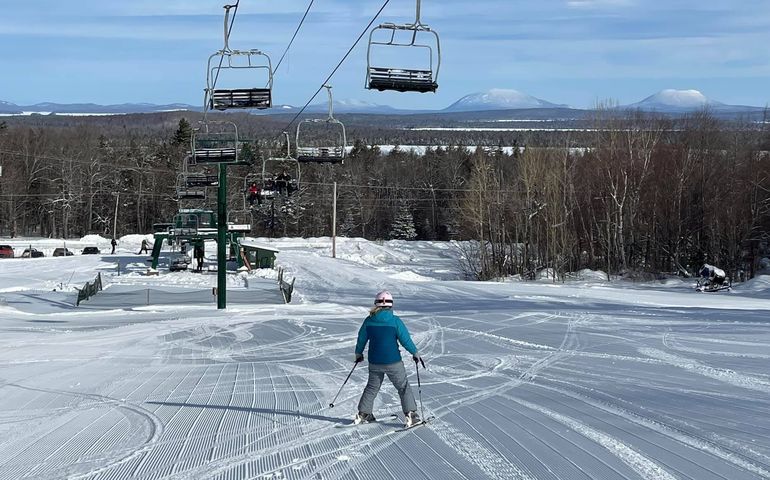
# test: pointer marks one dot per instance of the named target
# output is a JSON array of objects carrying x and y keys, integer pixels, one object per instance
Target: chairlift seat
[
  {"x": 320, "y": 155},
  {"x": 224, "y": 99},
  {"x": 201, "y": 181},
  {"x": 401, "y": 80},
  {"x": 191, "y": 194},
  {"x": 214, "y": 155}
]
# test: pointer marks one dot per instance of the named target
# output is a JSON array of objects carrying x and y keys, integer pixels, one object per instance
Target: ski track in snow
[
  {"x": 644, "y": 466},
  {"x": 722, "y": 374},
  {"x": 528, "y": 381}
]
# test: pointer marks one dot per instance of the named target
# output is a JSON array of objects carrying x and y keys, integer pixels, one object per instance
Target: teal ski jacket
[{"x": 384, "y": 331}]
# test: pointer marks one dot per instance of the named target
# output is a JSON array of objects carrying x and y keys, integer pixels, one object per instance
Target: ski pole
[
  {"x": 419, "y": 385},
  {"x": 331, "y": 405}
]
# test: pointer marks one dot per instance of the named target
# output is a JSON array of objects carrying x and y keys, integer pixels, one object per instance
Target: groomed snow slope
[{"x": 582, "y": 380}]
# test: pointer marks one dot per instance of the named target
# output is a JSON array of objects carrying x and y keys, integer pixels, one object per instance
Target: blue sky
[{"x": 575, "y": 52}]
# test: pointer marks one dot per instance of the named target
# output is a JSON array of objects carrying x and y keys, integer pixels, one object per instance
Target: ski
[
  {"x": 354, "y": 424},
  {"x": 421, "y": 422},
  {"x": 711, "y": 290}
]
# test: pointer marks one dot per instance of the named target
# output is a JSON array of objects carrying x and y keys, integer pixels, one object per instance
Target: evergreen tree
[
  {"x": 183, "y": 133},
  {"x": 349, "y": 226},
  {"x": 403, "y": 225}
]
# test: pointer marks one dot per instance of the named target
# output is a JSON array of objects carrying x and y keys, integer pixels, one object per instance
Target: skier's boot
[
  {"x": 362, "y": 417},
  {"x": 412, "y": 418}
]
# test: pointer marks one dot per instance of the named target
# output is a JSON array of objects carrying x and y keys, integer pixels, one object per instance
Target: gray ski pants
[{"x": 397, "y": 375}]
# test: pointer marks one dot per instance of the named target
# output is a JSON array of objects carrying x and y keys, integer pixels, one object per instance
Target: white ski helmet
[{"x": 383, "y": 299}]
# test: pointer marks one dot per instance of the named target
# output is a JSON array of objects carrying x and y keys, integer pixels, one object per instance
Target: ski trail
[
  {"x": 722, "y": 374},
  {"x": 686, "y": 438},
  {"x": 644, "y": 466},
  {"x": 491, "y": 463},
  {"x": 499, "y": 339}
]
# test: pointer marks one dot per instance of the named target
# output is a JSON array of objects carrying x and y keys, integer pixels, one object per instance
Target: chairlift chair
[
  {"x": 226, "y": 62},
  {"x": 399, "y": 78},
  {"x": 334, "y": 145},
  {"x": 284, "y": 163},
  {"x": 186, "y": 192},
  {"x": 267, "y": 181},
  {"x": 257, "y": 179},
  {"x": 214, "y": 142}
]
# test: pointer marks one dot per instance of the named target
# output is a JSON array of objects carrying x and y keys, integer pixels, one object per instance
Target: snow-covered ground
[{"x": 582, "y": 380}]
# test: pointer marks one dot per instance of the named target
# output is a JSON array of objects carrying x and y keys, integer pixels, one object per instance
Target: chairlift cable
[
  {"x": 294, "y": 36},
  {"x": 345, "y": 57}
]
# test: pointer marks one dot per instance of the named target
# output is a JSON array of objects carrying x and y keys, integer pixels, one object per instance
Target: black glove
[
  {"x": 418, "y": 359},
  {"x": 359, "y": 357}
]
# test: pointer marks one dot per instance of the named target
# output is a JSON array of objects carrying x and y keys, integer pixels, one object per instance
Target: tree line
[{"x": 635, "y": 193}]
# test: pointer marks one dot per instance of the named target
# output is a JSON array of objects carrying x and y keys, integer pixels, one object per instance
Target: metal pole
[
  {"x": 419, "y": 386},
  {"x": 222, "y": 238},
  {"x": 331, "y": 404},
  {"x": 115, "y": 220},
  {"x": 334, "y": 222}
]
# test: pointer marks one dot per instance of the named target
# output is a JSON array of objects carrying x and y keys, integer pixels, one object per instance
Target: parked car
[
  {"x": 32, "y": 253},
  {"x": 179, "y": 261},
  {"x": 62, "y": 252},
  {"x": 91, "y": 251},
  {"x": 6, "y": 251}
]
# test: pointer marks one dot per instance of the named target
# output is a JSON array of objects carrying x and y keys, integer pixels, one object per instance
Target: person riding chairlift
[
  {"x": 254, "y": 195},
  {"x": 283, "y": 183}
]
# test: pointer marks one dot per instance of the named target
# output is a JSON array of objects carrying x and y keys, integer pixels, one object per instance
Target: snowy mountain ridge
[
  {"x": 678, "y": 101},
  {"x": 499, "y": 99},
  {"x": 494, "y": 99}
]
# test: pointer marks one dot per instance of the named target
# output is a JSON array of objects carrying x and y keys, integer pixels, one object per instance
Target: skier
[
  {"x": 114, "y": 244},
  {"x": 145, "y": 248},
  {"x": 199, "y": 255},
  {"x": 714, "y": 277},
  {"x": 384, "y": 331}
]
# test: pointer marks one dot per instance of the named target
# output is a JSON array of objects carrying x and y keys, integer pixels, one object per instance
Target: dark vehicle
[
  {"x": 6, "y": 251},
  {"x": 91, "y": 251},
  {"x": 62, "y": 252},
  {"x": 32, "y": 253}
]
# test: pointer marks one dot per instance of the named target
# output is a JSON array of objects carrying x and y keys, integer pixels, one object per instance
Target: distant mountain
[
  {"x": 682, "y": 101},
  {"x": 352, "y": 106},
  {"x": 498, "y": 103},
  {"x": 499, "y": 99},
  {"x": 8, "y": 107},
  {"x": 340, "y": 106},
  {"x": 91, "y": 108}
]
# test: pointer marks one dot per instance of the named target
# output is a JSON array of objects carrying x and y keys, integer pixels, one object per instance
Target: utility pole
[
  {"x": 222, "y": 238},
  {"x": 115, "y": 220},
  {"x": 334, "y": 221}
]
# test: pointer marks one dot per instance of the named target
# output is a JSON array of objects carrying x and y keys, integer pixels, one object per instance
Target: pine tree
[
  {"x": 403, "y": 225},
  {"x": 349, "y": 226},
  {"x": 183, "y": 133}
]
